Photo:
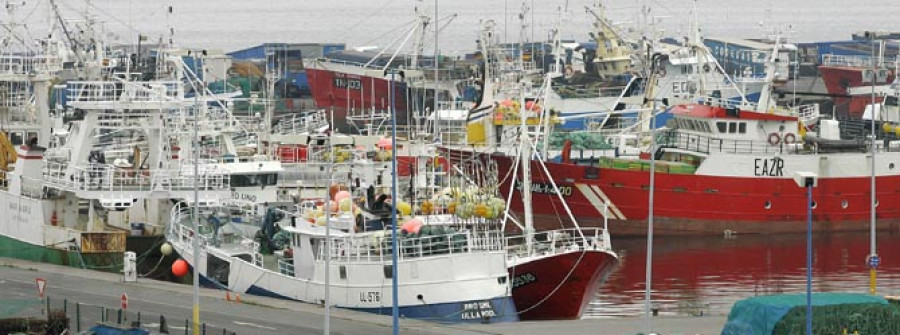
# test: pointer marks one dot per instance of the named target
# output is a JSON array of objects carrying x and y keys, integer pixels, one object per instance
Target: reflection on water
[{"x": 693, "y": 275}]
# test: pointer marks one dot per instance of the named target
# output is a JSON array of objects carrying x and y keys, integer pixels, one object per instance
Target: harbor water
[{"x": 694, "y": 275}]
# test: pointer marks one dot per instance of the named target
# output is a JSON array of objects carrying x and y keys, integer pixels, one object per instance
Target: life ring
[
  {"x": 705, "y": 67},
  {"x": 774, "y": 139},
  {"x": 790, "y": 138}
]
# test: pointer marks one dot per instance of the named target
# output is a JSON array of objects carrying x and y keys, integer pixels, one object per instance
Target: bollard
[
  {"x": 47, "y": 301},
  {"x": 66, "y": 306},
  {"x": 139, "y": 318},
  {"x": 163, "y": 328},
  {"x": 186, "y": 327},
  {"x": 77, "y": 317},
  {"x": 119, "y": 317},
  {"x": 204, "y": 328}
]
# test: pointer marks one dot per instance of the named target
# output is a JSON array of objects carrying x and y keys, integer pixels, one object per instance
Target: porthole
[
  {"x": 891, "y": 166},
  {"x": 845, "y": 204},
  {"x": 813, "y": 204},
  {"x": 768, "y": 205}
]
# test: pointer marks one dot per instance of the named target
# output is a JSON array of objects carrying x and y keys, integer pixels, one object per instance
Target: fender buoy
[
  {"x": 774, "y": 139},
  {"x": 790, "y": 138}
]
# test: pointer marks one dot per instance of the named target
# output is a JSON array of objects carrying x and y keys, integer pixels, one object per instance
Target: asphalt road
[
  {"x": 262, "y": 315},
  {"x": 255, "y": 315}
]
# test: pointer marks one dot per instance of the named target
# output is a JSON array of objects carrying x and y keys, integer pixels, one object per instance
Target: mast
[{"x": 525, "y": 143}]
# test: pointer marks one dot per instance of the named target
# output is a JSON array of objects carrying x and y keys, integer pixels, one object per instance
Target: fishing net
[{"x": 832, "y": 314}]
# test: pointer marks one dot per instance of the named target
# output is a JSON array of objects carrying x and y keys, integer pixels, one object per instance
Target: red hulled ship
[
  {"x": 721, "y": 169},
  {"x": 841, "y": 74}
]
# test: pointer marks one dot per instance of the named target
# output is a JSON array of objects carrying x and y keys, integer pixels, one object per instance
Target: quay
[{"x": 263, "y": 315}]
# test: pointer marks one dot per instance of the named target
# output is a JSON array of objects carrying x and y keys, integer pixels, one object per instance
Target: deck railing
[
  {"x": 124, "y": 91},
  {"x": 106, "y": 177},
  {"x": 436, "y": 241},
  {"x": 554, "y": 241}
]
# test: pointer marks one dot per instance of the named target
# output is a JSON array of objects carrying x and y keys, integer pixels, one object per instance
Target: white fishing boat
[{"x": 448, "y": 276}]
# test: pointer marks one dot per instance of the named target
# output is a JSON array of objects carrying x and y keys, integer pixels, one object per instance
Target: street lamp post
[
  {"x": 808, "y": 180},
  {"x": 395, "y": 310}
]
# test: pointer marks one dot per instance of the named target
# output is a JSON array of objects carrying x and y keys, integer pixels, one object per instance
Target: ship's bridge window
[
  {"x": 16, "y": 138},
  {"x": 732, "y": 127},
  {"x": 722, "y": 127},
  {"x": 251, "y": 180},
  {"x": 742, "y": 127}
]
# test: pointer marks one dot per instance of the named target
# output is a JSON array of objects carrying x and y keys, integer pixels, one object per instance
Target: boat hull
[
  {"x": 692, "y": 204},
  {"x": 103, "y": 261},
  {"x": 558, "y": 287},
  {"x": 838, "y": 79},
  {"x": 347, "y": 95}
]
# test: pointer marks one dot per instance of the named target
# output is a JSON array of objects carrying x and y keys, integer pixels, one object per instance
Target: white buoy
[{"x": 166, "y": 249}]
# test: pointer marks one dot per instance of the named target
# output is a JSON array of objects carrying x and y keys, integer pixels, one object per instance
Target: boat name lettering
[
  {"x": 523, "y": 279},
  {"x": 477, "y": 310},
  {"x": 772, "y": 167},
  {"x": 547, "y": 188},
  {"x": 347, "y": 83},
  {"x": 241, "y": 196},
  {"x": 370, "y": 296},
  {"x": 24, "y": 209}
]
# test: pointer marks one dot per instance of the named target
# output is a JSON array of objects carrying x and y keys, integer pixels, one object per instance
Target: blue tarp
[
  {"x": 758, "y": 315},
  {"x": 109, "y": 330}
]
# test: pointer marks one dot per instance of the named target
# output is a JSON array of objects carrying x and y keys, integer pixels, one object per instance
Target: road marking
[{"x": 254, "y": 325}]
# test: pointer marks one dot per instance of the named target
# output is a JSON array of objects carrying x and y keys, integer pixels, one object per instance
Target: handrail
[
  {"x": 553, "y": 241},
  {"x": 377, "y": 246}
]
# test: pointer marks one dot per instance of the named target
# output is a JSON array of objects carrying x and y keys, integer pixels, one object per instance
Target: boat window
[
  {"x": 721, "y": 126},
  {"x": 251, "y": 180},
  {"x": 732, "y": 127},
  {"x": 15, "y": 138},
  {"x": 742, "y": 127},
  {"x": 388, "y": 272},
  {"x": 706, "y": 127}
]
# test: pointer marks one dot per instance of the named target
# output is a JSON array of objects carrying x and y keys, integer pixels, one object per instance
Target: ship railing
[
  {"x": 286, "y": 267},
  {"x": 808, "y": 114},
  {"x": 378, "y": 247},
  {"x": 124, "y": 91},
  {"x": 29, "y": 65},
  {"x": 33, "y": 188},
  {"x": 184, "y": 124},
  {"x": 707, "y": 145},
  {"x": 298, "y": 124},
  {"x": 854, "y": 60},
  {"x": 554, "y": 241},
  {"x": 106, "y": 177}
]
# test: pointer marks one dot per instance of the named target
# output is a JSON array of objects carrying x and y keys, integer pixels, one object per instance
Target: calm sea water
[
  {"x": 235, "y": 24},
  {"x": 708, "y": 274}
]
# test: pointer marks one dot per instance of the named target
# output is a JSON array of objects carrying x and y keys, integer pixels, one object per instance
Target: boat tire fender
[{"x": 774, "y": 139}]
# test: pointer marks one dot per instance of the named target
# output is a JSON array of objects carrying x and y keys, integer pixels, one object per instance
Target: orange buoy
[{"x": 179, "y": 268}]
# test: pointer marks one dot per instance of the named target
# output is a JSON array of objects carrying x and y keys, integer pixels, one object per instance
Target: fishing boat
[
  {"x": 848, "y": 79},
  {"x": 445, "y": 275}
]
